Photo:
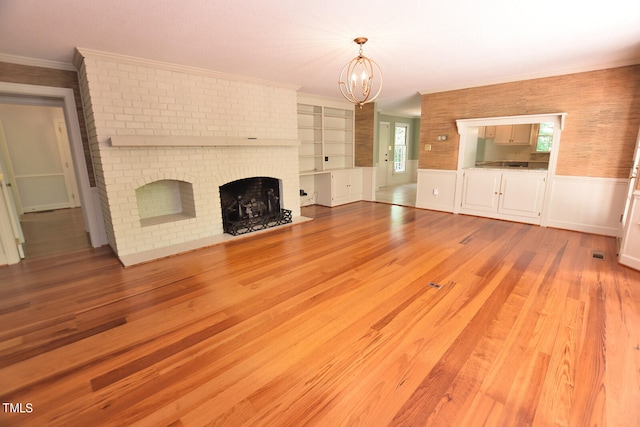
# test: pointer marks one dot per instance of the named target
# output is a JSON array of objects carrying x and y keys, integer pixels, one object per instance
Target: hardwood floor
[
  {"x": 370, "y": 315},
  {"x": 53, "y": 232},
  {"x": 403, "y": 194}
]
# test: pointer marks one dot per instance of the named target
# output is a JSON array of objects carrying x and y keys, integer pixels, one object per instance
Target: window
[
  {"x": 545, "y": 137},
  {"x": 400, "y": 148}
]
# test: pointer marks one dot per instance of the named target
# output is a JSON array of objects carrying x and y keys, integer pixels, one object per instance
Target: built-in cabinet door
[
  {"x": 341, "y": 182},
  {"x": 516, "y": 196},
  {"x": 481, "y": 188},
  {"x": 522, "y": 193},
  {"x": 355, "y": 186},
  {"x": 339, "y": 187},
  {"x": 346, "y": 186}
]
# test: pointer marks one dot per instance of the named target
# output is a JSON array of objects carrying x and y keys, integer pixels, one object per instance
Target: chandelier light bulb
[{"x": 358, "y": 90}]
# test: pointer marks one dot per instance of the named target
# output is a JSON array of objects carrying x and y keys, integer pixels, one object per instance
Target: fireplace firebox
[{"x": 252, "y": 204}]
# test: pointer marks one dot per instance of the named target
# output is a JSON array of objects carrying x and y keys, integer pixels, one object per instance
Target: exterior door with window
[
  {"x": 401, "y": 136},
  {"x": 384, "y": 148}
]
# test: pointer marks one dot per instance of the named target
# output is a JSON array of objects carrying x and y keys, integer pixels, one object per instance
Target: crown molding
[
  {"x": 82, "y": 53},
  {"x": 35, "y": 62}
]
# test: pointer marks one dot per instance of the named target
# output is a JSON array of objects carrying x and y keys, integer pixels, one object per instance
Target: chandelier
[{"x": 360, "y": 77}]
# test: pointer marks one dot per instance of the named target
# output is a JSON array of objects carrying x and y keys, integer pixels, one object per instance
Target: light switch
[{"x": 427, "y": 147}]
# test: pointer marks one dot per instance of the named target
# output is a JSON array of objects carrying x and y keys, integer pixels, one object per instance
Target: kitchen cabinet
[
  {"x": 512, "y": 135},
  {"x": 339, "y": 187},
  {"x": 487, "y": 132},
  {"x": 516, "y": 196}
]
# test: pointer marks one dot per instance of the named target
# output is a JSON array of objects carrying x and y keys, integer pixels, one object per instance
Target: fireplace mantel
[{"x": 198, "y": 141}]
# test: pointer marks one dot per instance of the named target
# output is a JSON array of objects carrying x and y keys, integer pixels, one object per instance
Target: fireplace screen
[{"x": 252, "y": 204}]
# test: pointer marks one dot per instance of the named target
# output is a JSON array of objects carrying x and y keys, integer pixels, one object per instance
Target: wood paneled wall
[
  {"x": 601, "y": 127},
  {"x": 364, "y": 134},
  {"x": 24, "y": 74}
]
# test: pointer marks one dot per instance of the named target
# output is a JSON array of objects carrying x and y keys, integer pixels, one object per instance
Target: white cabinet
[
  {"x": 480, "y": 190},
  {"x": 512, "y": 135},
  {"x": 516, "y": 196},
  {"x": 629, "y": 254},
  {"x": 326, "y": 137},
  {"x": 339, "y": 187}
]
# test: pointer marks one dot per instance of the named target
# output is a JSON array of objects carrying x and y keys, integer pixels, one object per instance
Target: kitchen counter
[{"x": 513, "y": 164}]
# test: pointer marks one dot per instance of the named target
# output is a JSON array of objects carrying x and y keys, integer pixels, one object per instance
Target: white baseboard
[{"x": 368, "y": 183}]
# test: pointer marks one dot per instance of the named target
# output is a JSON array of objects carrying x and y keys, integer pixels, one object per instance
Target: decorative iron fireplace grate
[{"x": 252, "y": 204}]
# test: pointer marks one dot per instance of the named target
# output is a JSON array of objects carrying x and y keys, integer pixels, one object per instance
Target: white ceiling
[{"x": 422, "y": 46}]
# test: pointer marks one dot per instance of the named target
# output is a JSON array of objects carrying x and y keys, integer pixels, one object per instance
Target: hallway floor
[
  {"x": 53, "y": 232},
  {"x": 403, "y": 194}
]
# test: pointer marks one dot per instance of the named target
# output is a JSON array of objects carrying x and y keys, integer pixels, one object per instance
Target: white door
[
  {"x": 629, "y": 250},
  {"x": 11, "y": 238},
  {"x": 384, "y": 151},
  {"x": 633, "y": 180}
]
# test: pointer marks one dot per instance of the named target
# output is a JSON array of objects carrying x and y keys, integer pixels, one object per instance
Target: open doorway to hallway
[
  {"x": 401, "y": 194},
  {"x": 42, "y": 192},
  {"x": 396, "y": 178}
]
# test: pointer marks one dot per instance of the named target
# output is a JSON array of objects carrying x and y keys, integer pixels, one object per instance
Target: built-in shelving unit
[
  {"x": 326, "y": 154},
  {"x": 326, "y": 138}
]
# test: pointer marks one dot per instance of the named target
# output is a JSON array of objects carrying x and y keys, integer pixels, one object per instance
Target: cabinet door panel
[
  {"x": 481, "y": 190},
  {"x": 522, "y": 194},
  {"x": 340, "y": 183},
  {"x": 521, "y": 135},
  {"x": 356, "y": 183},
  {"x": 502, "y": 135}
]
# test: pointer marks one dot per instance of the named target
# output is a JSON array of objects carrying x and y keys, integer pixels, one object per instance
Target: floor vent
[
  {"x": 597, "y": 255},
  {"x": 434, "y": 285}
]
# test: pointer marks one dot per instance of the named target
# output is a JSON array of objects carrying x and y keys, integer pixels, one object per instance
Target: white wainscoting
[
  {"x": 368, "y": 184},
  {"x": 590, "y": 205},
  {"x": 436, "y": 189}
]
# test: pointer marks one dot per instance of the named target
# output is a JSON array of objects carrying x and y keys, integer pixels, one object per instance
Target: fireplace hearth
[{"x": 252, "y": 204}]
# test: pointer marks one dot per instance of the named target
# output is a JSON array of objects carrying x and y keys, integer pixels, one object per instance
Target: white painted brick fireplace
[{"x": 165, "y": 137}]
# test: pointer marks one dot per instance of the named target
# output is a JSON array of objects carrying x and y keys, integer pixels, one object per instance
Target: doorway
[
  {"x": 92, "y": 223},
  {"x": 35, "y": 157}
]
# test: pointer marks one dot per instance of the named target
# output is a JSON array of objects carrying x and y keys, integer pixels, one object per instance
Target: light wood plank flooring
[
  {"x": 370, "y": 315},
  {"x": 53, "y": 232},
  {"x": 403, "y": 194}
]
